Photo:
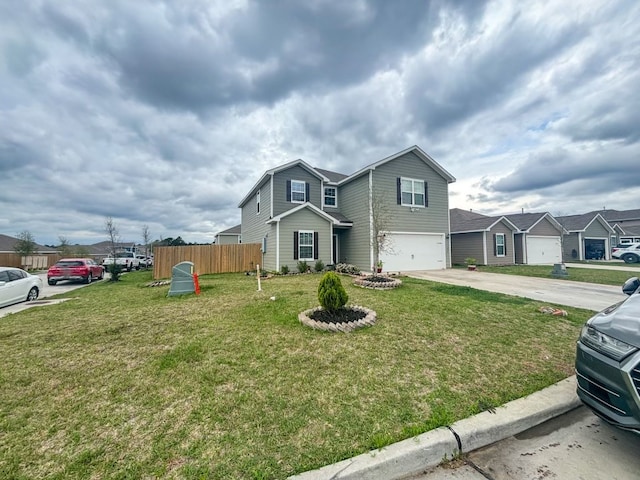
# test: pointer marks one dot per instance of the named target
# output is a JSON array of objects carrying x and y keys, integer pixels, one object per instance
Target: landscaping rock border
[
  {"x": 377, "y": 285},
  {"x": 345, "y": 327}
]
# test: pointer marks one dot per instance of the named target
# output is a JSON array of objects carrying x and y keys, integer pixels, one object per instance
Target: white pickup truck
[{"x": 127, "y": 261}]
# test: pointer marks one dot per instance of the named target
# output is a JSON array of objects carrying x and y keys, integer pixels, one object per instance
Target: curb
[{"x": 415, "y": 455}]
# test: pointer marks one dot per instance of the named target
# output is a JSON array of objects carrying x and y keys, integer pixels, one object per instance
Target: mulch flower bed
[
  {"x": 344, "y": 320},
  {"x": 377, "y": 282}
]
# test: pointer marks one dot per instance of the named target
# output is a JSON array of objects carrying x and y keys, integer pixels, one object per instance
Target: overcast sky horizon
[{"x": 166, "y": 113}]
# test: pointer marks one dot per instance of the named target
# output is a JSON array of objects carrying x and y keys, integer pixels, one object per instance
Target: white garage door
[
  {"x": 543, "y": 250},
  {"x": 414, "y": 251}
]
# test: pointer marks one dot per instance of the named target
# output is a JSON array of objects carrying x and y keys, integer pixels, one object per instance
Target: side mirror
[{"x": 631, "y": 285}]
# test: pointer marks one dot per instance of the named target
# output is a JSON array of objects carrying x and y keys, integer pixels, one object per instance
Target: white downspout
[
  {"x": 277, "y": 246},
  {"x": 484, "y": 248},
  {"x": 371, "y": 239}
]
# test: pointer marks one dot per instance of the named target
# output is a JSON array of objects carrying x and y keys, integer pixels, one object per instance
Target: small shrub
[
  {"x": 470, "y": 261},
  {"x": 115, "y": 271},
  {"x": 284, "y": 269},
  {"x": 319, "y": 265},
  {"x": 331, "y": 293},
  {"x": 347, "y": 268},
  {"x": 302, "y": 266}
]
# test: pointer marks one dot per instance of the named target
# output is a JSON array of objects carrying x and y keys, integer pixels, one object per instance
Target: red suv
[{"x": 75, "y": 270}]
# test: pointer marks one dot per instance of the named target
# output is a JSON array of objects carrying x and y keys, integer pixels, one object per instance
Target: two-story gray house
[{"x": 298, "y": 212}]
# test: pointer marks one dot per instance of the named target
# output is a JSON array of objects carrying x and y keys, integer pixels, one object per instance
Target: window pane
[
  {"x": 306, "y": 252},
  {"x": 419, "y": 199},
  {"x": 407, "y": 198},
  {"x": 407, "y": 185},
  {"x": 297, "y": 191}
]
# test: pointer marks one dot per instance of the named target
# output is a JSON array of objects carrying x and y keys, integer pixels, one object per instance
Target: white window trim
[
  {"x": 413, "y": 193},
  {"x": 304, "y": 191},
  {"x": 503, "y": 245},
  {"x": 300, "y": 257},
  {"x": 258, "y": 203},
  {"x": 335, "y": 196}
]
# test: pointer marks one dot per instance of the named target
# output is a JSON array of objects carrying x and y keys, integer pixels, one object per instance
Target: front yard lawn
[
  {"x": 576, "y": 274},
  {"x": 124, "y": 382}
]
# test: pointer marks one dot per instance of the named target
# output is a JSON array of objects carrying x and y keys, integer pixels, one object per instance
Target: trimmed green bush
[
  {"x": 303, "y": 267},
  {"x": 331, "y": 293},
  {"x": 284, "y": 269},
  {"x": 319, "y": 265}
]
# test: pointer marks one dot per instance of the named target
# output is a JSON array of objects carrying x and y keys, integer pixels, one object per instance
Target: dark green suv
[{"x": 608, "y": 361}]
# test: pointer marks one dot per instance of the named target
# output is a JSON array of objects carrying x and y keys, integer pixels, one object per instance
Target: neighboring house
[
  {"x": 626, "y": 224},
  {"x": 588, "y": 237},
  {"x": 538, "y": 240},
  {"x": 490, "y": 240},
  {"x": 298, "y": 212},
  {"x": 7, "y": 245},
  {"x": 229, "y": 236}
]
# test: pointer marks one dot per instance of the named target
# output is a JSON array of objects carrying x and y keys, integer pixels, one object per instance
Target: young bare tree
[
  {"x": 380, "y": 218},
  {"x": 64, "y": 247},
  {"x": 114, "y": 239},
  {"x": 146, "y": 240},
  {"x": 25, "y": 246}
]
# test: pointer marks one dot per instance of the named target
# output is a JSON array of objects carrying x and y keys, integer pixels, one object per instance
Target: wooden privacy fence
[
  {"x": 231, "y": 258},
  {"x": 32, "y": 262}
]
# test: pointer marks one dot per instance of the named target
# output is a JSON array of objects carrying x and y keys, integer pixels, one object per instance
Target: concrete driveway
[
  {"x": 558, "y": 292},
  {"x": 43, "y": 298}
]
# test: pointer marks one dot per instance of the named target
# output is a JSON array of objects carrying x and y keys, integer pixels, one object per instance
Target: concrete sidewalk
[{"x": 415, "y": 455}]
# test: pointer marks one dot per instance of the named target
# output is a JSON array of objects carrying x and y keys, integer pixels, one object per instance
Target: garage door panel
[
  {"x": 411, "y": 251},
  {"x": 544, "y": 250}
]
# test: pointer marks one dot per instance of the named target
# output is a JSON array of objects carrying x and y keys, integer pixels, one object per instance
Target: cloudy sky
[{"x": 165, "y": 113}]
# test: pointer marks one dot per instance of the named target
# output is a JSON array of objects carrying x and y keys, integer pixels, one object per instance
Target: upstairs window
[
  {"x": 330, "y": 197},
  {"x": 412, "y": 192},
  {"x": 500, "y": 245},
  {"x": 297, "y": 191}
]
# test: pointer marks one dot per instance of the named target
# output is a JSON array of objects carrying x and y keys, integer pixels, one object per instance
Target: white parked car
[
  {"x": 629, "y": 252},
  {"x": 17, "y": 286}
]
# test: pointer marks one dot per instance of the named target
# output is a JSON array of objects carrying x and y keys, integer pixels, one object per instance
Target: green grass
[
  {"x": 576, "y": 274},
  {"x": 125, "y": 382}
]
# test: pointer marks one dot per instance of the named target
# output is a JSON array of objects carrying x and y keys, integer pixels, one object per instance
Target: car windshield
[{"x": 70, "y": 263}]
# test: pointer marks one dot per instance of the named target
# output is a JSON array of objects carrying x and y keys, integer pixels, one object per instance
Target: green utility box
[{"x": 182, "y": 279}]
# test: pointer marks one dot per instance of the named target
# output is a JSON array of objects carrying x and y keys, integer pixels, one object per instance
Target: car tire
[
  {"x": 52, "y": 282},
  {"x": 89, "y": 279},
  {"x": 32, "y": 295},
  {"x": 630, "y": 258}
]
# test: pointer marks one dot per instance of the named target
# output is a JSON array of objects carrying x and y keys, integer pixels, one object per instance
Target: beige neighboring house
[
  {"x": 41, "y": 258},
  {"x": 229, "y": 236}
]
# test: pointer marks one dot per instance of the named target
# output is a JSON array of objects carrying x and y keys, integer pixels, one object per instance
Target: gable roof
[
  {"x": 421, "y": 154},
  {"x": 235, "y": 230},
  {"x": 461, "y": 223},
  {"x": 8, "y": 243},
  {"x": 526, "y": 221},
  {"x": 334, "y": 177},
  {"x": 613, "y": 216},
  {"x": 579, "y": 223},
  {"x": 272, "y": 171},
  {"x": 307, "y": 205}
]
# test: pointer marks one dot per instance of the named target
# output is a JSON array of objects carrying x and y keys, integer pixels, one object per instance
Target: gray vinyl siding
[
  {"x": 269, "y": 257},
  {"x": 545, "y": 228},
  {"x": 432, "y": 219},
  {"x": 596, "y": 230},
  {"x": 355, "y": 245},
  {"x": 492, "y": 259},
  {"x": 280, "y": 204},
  {"x": 569, "y": 243},
  {"x": 518, "y": 247},
  {"x": 227, "y": 239},
  {"x": 304, "y": 220},
  {"x": 465, "y": 245},
  {"x": 254, "y": 226}
]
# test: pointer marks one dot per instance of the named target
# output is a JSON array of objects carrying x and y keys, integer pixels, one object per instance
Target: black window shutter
[
  {"x": 288, "y": 190},
  {"x": 495, "y": 245},
  {"x": 426, "y": 194},
  {"x": 505, "y": 244},
  {"x": 399, "y": 191},
  {"x": 306, "y": 192},
  {"x": 295, "y": 245},
  {"x": 315, "y": 245}
]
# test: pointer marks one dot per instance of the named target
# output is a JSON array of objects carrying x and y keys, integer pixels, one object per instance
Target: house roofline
[
  {"x": 310, "y": 206},
  {"x": 514, "y": 228},
  {"x": 424, "y": 156},
  {"x": 272, "y": 171}
]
